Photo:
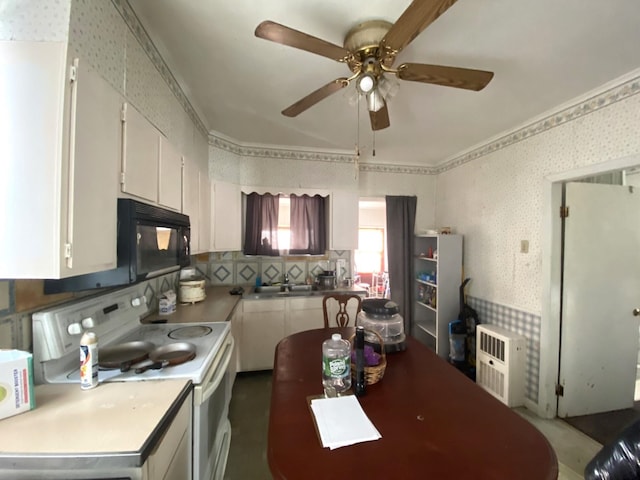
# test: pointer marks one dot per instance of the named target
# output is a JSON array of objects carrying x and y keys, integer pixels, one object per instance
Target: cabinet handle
[{"x": 636, "y": 312}]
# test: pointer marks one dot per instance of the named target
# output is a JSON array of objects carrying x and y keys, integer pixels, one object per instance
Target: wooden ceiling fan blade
[
  {"x": 293, "y": 38},
  {"x": 380, "y": 119},
  {"x": 315, "y": 97},
  {"x": 418, "y": 16},
  {"x": 447, "y": 76}
]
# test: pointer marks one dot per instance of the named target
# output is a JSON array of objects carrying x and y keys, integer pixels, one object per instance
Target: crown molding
[{"x": 132, "y": 21}]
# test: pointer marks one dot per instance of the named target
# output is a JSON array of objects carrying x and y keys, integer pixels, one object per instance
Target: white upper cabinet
[
  {"x": 59, "y": 149},
  {"x": 226, "y": 222},
  {"x": 343, "y": 224},
  {"x": 191, "y": 201},
  {"x": 140, "y": 153},
  {"x": 205, "y": 212},
  {"x": 170, "y": 176},
  {"x": 151, "y": 165}
]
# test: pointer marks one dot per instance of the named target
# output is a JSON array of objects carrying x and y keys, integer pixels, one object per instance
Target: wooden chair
[{"x": 342, "y": 316}]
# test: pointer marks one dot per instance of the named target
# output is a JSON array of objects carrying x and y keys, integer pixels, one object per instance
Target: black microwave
[{"x": 151, "y": 241}]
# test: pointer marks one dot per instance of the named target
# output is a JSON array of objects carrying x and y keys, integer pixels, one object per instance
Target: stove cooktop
[{"x": 207, "y": 338}]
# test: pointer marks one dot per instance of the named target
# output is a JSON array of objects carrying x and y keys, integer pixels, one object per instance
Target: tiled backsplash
[
  {"x": 523, "y": 323},
  {"x": 15, "y": 325},
  {"x": 234, "y": 268},
  {"x": 224, "y": 268}
]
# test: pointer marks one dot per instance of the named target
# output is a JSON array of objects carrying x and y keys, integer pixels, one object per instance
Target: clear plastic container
[
  {"x": 336, "y": 365},
  {"x": 381, "y": 315}
]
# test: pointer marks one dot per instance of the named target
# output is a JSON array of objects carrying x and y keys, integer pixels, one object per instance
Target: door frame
[{"x": 551, "y": 242}]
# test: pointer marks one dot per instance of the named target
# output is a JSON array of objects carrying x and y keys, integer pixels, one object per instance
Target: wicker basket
[{"x": 372, "y": 374}]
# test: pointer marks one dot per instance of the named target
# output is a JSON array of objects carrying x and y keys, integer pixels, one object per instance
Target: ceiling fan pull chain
[{"x": 374, "y": 143}]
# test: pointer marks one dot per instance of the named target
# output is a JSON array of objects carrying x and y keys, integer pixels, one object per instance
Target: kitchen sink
[
  {"x": 270, "y": 289},
  {"x": 302, "y": 288},
  {"x": 284, "y": 290}
]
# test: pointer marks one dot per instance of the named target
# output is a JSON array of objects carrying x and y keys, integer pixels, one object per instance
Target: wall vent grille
[{"x": 500, "y": 361}]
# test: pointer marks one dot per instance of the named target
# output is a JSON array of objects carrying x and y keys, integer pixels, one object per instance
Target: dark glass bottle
[{"x": 358, "y": 344}]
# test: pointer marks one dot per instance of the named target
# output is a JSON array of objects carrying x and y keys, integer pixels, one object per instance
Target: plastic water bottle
[{"x": 336, "y": 365}]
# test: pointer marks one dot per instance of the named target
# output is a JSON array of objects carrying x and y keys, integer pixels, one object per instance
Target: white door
[{"x": 601, "y": 287}]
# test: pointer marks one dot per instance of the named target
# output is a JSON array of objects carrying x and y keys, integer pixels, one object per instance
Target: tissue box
[
  {"x": 167, "y": 303},
  {"x": 16, "y": 382}
]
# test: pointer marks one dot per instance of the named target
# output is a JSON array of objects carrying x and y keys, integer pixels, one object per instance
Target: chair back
[{"x": 342, "y": 315}]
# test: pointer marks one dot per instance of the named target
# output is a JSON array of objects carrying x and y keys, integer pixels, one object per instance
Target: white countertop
[
  {"x": 113, "y": 418},
  {"x": 216, "y": 307}
]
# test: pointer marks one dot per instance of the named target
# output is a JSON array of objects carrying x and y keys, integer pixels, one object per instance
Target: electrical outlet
[{"x": 524, "y": 246}]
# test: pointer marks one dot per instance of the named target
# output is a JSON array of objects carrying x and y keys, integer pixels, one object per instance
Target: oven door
[{"x": 211, "y": 433}]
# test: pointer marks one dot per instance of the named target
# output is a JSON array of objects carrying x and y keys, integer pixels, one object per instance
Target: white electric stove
[{"x": 115, "y": 318}]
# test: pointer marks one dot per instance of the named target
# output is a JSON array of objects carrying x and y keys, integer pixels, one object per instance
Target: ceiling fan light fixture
[
  {"x": 375, "y": 101},
  {"x": 365, "y": 83}
]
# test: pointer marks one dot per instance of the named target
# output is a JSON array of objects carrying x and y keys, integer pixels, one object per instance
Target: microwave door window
[{"x": 157, "y": 248}]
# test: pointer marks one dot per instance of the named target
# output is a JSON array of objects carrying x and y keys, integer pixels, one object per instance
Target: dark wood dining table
[{"x": 435, "y": 422}]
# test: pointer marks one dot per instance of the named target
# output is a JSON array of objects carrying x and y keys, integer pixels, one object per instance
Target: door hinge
[
  {"x": 67, "y": 250},
  {"x": 564, "y": 211},
  {"x": 123, "y": 113},
  {"x": 121, "y": 178},
  {"x": 559, "y": 390},
  {"x": 73, "y": 71}
]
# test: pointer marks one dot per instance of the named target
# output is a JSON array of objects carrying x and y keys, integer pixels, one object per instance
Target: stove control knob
[
  {"x": 74, "y": 329},
  {"x": 88, "y": 322}
]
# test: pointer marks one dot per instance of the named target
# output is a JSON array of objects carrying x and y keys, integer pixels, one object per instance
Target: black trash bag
[{"x": 619, "y": 460}]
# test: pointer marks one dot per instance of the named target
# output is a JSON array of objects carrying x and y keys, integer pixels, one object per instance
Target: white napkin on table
[{"x": 341, "y": 422}]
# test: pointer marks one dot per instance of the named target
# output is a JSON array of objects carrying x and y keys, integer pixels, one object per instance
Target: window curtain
[
  {"x": 308, "y": 225},
  {"x": 401, "y": 218},
  {"x": 261, "y": 229}
]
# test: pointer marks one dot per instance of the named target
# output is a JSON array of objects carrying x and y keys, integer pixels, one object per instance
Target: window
[
  {"x": 370, "y": 255},
  {"x": 277, "y": 225}
]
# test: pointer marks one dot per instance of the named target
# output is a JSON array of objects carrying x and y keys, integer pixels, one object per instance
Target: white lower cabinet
[
  {"x": 261, "y": 324},
  {"x": 305, "y": 313},
  {"x": 171, "y": 459},
  {"x": 262, "y": 329}
]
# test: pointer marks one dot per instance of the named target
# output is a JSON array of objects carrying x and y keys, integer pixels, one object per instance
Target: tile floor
[{"x": 249, "y": 416}]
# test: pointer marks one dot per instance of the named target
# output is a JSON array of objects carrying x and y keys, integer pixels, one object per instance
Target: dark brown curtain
[
  {"x": 261, "y": 229},
  {"x": 401, "y": 219},
  {"x": 308, "y": 226}
]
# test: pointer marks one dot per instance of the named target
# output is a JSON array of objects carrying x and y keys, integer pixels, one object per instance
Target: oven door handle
[{"x": 210, "y": 385}]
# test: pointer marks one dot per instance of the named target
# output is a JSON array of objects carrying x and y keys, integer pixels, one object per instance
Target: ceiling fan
[{"x": 369, "y": 51}]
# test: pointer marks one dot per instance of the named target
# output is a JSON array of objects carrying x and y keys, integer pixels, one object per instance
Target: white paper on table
[{"x": 341, "y": 422}]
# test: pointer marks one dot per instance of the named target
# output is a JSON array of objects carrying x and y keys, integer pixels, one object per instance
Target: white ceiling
[{"x": 543, "y": 53}]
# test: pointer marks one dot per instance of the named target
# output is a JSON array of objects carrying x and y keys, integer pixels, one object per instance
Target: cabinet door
[
  {"x": 191, "y": 201},
  {"x": 140, "y": 155},
  {"x": 170, "y": 176},
  {"x": 205, "y": 211},
  {"x": 58, "y": 192},
  {"x": 226, "y": 199},
  {"x": 92, "y": 218},
  {"x": 171, "y": 458},
  {"x": 304, "y": 314},
  {"x": 343, "y": 221},
  {"x": 262, "y": 329}
]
